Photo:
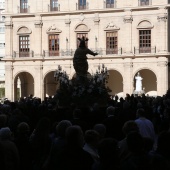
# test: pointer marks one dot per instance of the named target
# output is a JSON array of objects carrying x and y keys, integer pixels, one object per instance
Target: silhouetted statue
[{"x": 80, "y": 59}]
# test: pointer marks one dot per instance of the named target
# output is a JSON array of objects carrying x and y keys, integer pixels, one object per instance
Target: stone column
[
  {"x": 9, "y": 82},
  {"x": 8, "y": 37},
  {"x": 38, "y": 82},
  {"x": 38, "y": 36},
  {"x": 96, "y": 36},
  {"x": 128, "y": 33},
  {"x": 127, "y": 78},
  {"x": 162, "y": 19},
  {"x": 162, "y": 79}
]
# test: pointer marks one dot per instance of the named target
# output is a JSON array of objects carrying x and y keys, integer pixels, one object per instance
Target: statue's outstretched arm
[{"x": 91, "y": 52}]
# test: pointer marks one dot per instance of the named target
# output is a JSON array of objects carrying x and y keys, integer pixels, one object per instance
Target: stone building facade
[
  {"x": 2, "y": 48},
  {"x": 130, "y": 36}
]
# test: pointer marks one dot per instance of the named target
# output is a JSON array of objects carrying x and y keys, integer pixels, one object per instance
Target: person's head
[
  {"x": 5, "y": 133},
  {"x": 140, "y": 113},
  {"x": 91, "y": 137},
  {"x": 110, "y": 111},
  {"x": 62, "y": 127},
  {"x": 3, "y": 120},
  {"x": 130, "y": 126},
  {"x": 23, "y": 129},
  {"x": 74, "y": 136},
  {"x": 101, "y": 129}
]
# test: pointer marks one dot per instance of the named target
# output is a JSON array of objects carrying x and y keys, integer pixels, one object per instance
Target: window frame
[
  {"x": 110, "y": 3},
  {"x": 54, "y": 6},
  {"x": 112, "y": 42},
  {"x": 82, "y": 4},
  {"x": 24, "y": 52},
  {"x": 56, "y": 38},
  {"x": 145, "y": 42},
  {"x": 144, "y": 2},
  {"x": 23, "y": 6},
  {"x": 80, "y": 35}
]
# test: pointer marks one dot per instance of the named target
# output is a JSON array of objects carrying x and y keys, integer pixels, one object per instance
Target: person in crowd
[
  {"x": 124, "y": 153},
  {"x": 58, "y": 144},
  {"x": 74, "y": 156},
  {"x": 91, "y": 143},
  {"x": 146, "y": 127},
  {"x": 23, "y": 145},
  {"x": 101, "y": 129},
  {"x": 40, "y": 143},
  {"x": 112, "y": 124},
  {"x": 11, "y": 156},
  {"x": 108, "y": 155}
]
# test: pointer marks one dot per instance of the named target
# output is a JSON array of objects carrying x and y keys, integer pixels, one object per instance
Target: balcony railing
[
  {"x": 145, "y": 2},
  {"x": 82, "y": 7},
  {"x": 63, "y": 52},
  {"x": 17, "y": 54},
  {"x": 109, "y": 5},
  {"x": 23, "y": 10},
  {"x": 102, "y": 51},
  {"x": 140, "y": 50},
  {"x": 52, "y": 8}
]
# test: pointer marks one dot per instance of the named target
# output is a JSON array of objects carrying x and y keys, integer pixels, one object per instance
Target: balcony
[
  {"x": 52, "y": 8},
  {"x": 17, "y": 54},
  {"x": 82, "y": 6},
  {"x": 145, "y": 2},
  {"x": 142, "y": 50},
  {"x": 63, "y": 52},
  {"x": 23, "y": 9}
]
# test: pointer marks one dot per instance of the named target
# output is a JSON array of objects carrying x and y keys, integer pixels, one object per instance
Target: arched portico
[
  {"x": 23, "y": 85},
  {"x": 149, "y": 81},
  {"x": 50, "y": 85},
  {"x": 115, "y": 83}
]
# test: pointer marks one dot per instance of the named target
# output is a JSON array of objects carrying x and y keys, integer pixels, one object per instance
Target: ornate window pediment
[
  {"x": 111, "y": 27},
  {"x": 82, "y": 28},
  {"x": 23, "y": 30},
  {"x": 53, "y": 29},
  {"x": 145, "y": 24}
]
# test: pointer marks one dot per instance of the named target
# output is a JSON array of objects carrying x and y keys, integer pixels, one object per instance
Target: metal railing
[
  {"x": 82, "y": 7},
  {"x": 105, "y": 51},
  {"x": 17, "y": 54},
  {"x": 23, "y": 10},
  {"x": 51, "y": 8},
  {"x": 144, "y": 2},
  {"x": 109, "y": 5},
  {"x": 141, "y": 50},
  {"x": 63, "y": 52}
]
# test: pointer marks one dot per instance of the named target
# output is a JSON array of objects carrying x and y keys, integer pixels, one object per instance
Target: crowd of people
[{"x": 130, "y": 133}]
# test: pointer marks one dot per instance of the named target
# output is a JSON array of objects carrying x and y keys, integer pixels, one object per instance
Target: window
[
  {"x": 24, "y": 46},
  {"x": 109, "y": 3},
  {"x": 23, "y": 6},
  {"x": 82, "y": 4},
  {"x": 112, "y": 42},
  {"x": 2, "y": 45},
  {"x": 53, "y": 45},
  {"x": 80, "y": 35},
  {"x": 144, "y": 41},
  {"x": 144, "y": 2},
  {"x": 54, "y": 5}
]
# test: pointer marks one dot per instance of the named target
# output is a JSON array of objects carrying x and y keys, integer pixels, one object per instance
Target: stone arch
[
  {"x": 23, "y": 84},
  {"x": 23, "y": 30},
  {"x": 81, "y": 28},
  {"x": 149, "y": 81},
  {"x": 145, "y": 24},
  {"x": 50, "y": 85},
  {"x": 115, "y": 82}
]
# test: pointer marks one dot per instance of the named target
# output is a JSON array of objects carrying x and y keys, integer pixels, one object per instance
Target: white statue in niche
[{"x": 138, "y": 82}]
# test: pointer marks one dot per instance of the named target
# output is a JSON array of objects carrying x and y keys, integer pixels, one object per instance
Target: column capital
[
  {"x": 162, "y": 64},
  {"x": 8, "y": 24}
]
